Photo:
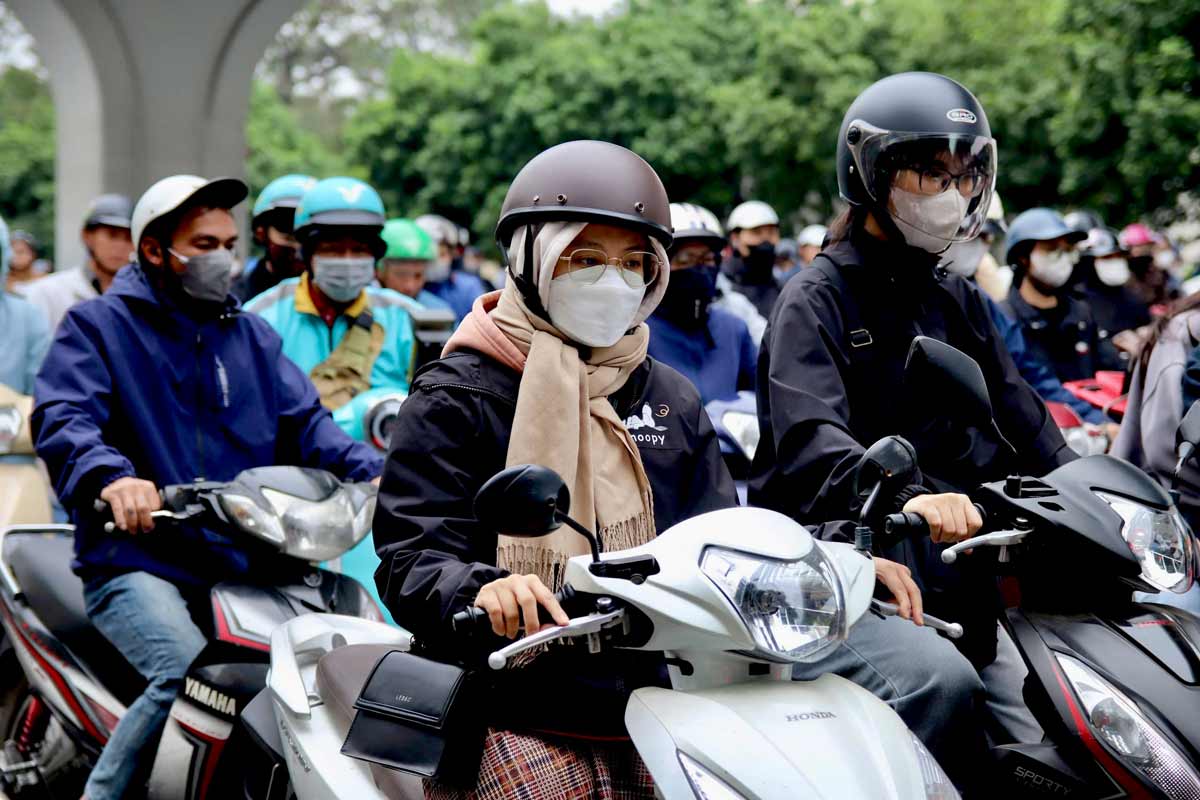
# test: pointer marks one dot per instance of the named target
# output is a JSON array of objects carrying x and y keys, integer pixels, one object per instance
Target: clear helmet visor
[{"x": 940, "y": 184}]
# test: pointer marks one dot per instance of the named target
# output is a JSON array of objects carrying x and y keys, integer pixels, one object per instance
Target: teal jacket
[{"x": 307, "y": 340}]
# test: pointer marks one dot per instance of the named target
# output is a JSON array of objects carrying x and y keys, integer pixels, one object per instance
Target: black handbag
[{"x": 419, "y": 716}]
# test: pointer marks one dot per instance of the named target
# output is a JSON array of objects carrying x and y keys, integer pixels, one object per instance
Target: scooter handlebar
[{"x": 475, "y": 620}]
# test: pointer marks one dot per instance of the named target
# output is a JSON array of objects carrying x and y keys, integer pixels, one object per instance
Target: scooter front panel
[{"x": 766, "y": 739}]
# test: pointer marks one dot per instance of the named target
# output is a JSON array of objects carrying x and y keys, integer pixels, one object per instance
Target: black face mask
[
  {"x": 760, "y": 263},
  {"x": 689, "y": 293},
  {"x": 284, "y": 261}
]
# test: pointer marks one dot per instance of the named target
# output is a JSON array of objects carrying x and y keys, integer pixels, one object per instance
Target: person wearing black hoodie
[
  {"x": 917, "y": 163},
  {"x": 750, "y": 267}
]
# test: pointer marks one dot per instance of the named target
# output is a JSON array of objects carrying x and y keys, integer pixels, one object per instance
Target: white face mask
[
  {"x": 1052, "y": 269},
  {"x": 1164, "y": 259},
  {"x": 929, "y": 222},
  {"x": 963, "y": 257},
  {"x": 596, "y": 314},
  {"x": 1112, "y": 271},
  {"x": 437, "y": 271},
  {"x": 341, "y": 279}
]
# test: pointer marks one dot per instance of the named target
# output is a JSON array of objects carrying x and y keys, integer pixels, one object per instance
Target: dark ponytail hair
[
  {"x": 844, "y": 224},
  {"x": 1189, "y": 303}
]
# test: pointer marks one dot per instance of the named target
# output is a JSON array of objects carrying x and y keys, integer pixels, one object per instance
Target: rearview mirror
[
  {"x": 936, "y": 367},
  {"x": 529, "y": 501},
  {"x": 525, "y": 500},
  {"x": 888, "y": 465}
]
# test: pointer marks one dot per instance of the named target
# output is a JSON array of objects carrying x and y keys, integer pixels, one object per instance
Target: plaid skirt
[{"x": 524, "y": 766}]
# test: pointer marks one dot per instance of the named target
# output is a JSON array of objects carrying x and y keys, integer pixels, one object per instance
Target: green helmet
[
  {"x": 279, "y": 194},
  {"x": 406, "y": 241}
]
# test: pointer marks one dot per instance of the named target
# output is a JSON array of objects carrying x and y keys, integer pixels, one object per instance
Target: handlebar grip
[
  {"x": 475, "y": 620},
  {"x": 905, "y": 523},
  {"x": 908, "y": 523}
]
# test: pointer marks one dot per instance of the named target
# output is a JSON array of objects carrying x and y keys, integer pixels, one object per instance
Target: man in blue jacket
[{"x": 163, "y": 380}]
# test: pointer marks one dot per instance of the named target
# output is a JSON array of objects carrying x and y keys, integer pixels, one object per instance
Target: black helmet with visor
[{"x": 930, "y": 126}]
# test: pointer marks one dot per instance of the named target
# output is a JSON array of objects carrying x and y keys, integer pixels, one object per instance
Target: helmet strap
[{"x": 525, "y": 281}]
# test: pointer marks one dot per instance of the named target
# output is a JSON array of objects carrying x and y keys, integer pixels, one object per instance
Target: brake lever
[
  {"x": 951, "y": 629},
  {"x": 177, "y": 516},
  {"x": 996, "y": 539},
  {"x": 590, "y": 625}
]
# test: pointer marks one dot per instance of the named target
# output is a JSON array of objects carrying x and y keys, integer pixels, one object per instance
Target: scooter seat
[
  {"x": 41, "y": 563},
  {"x": 341, "y": 674},
  {"x": 42, "y": 566}
]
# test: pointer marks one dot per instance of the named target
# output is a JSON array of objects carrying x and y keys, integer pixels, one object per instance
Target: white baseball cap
[{"x": 176, "y": 191}]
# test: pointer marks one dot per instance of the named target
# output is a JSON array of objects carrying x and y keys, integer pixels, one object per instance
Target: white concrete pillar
[{"x": 144, "y": 89}]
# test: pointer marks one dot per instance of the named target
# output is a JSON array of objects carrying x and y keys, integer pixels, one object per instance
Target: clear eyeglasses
[{"x": 637, "y": 268}]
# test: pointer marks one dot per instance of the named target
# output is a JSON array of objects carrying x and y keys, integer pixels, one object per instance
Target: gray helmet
[
  {"x": 1100, "y": 243},
  {"x": 587, "y": 181},
  {"x": 114, "y": 210},
  {"x": 1083, "y": 220}
]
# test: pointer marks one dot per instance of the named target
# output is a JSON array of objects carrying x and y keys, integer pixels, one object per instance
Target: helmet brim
[{"x": 536, "y": 215}]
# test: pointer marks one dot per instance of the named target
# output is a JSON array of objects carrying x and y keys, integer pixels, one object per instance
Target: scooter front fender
[{"x": 771, "y": 740}]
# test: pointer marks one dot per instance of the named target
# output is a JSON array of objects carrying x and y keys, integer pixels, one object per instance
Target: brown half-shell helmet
[{"x": 586, "y": 181}]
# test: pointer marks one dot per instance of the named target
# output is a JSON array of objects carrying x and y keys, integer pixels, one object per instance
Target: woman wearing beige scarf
[{"x": 553, "y": 371}]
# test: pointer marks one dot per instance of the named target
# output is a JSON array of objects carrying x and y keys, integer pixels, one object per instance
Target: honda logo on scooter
[{"x": 809, "y": 715}]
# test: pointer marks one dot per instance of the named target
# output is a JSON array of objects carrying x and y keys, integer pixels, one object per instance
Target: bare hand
[
  {"x": 132, "y": 500},
  {"x": 951, "y": 517},
  {"x": 510, "y": 600},
  {"x": 375, "y": 480},
  {"x": 898, "y": 579}
]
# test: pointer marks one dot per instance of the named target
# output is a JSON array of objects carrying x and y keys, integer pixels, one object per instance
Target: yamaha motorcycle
[{"x": 64, "y": 687}]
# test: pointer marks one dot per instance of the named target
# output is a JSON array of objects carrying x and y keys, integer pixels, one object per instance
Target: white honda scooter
[{"x": 733, "y": 598}]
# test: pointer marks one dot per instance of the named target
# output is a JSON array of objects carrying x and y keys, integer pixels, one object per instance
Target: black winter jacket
[
  {"x": 452, "y": 434},
  {"x": 830, "y": 383}
]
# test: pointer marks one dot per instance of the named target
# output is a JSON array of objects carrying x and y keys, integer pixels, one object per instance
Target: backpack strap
[
  {"x": 858, "y": 335},
  {"x": 347, "y": 370}
]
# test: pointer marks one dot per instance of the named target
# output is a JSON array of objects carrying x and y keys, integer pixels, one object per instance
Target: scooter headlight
[
  {"x": 744, "y": 429},
  {"x": 1128, "y": 734},
  {"x": 794, "y": 609},
  {"x": 313, "y": 531},
  {"x": 1160, "y": 540},
  {"x": 705, "y": 784},
  {"x": 937, "y": 785}
]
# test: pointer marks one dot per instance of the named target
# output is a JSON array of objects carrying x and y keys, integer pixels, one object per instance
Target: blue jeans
[
  {"x": 147, "y": 619},
  {"x": 921, "y": 675}
]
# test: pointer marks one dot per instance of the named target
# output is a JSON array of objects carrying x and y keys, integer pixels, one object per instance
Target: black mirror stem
[{"x": 582, "y": 531}]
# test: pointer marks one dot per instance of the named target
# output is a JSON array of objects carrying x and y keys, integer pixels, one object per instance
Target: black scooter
[{"x": 1114, "y": 684}]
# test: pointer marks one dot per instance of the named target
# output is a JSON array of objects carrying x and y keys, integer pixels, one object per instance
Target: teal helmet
[
  {"x": 281, "y": 194},
  {"x": 346, "y": 204}
]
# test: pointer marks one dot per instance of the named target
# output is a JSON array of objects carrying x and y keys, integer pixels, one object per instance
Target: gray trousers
[{"x": 934, "y": 688}]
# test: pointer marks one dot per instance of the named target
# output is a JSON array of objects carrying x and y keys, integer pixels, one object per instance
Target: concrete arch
[{"x": 144, "y": 89}]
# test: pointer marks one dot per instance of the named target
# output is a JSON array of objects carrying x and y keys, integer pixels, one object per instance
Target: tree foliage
[
  {"x": 1093, "y": 102},
  {"x": 27, "y": 154}
]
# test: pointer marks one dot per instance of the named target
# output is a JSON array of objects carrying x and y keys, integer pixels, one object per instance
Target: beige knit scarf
[{"x": 565, "y": 421}]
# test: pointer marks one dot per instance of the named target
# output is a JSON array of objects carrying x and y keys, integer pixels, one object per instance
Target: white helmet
[
  {"x": 439, "y": 228},
  {"x": 812, "y": 235},
  {"x": 178, "y": 190},
  {"x": 752, "y": 214},
  {"x": 691, "y": 221}
]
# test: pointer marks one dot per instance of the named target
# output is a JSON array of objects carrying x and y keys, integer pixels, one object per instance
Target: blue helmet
[
  {"x": 281, "y": 193},
  {"x": 343, "y": 203},
  {"x": 1038, "y": 225}
]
